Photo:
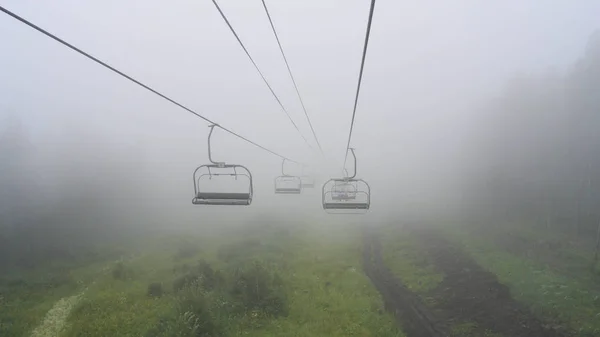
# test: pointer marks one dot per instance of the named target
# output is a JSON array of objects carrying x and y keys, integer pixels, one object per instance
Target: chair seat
[
  {"x": 344, "y": 197},
  {"x": 346, "y": 205},
  {"x": 221, "y": 202},
  {"x": 222, "y": 196},
  {"x": 288, "y": 190}
]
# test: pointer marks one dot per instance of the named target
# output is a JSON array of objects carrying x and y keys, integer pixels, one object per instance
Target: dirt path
[
  {"x": 469, "y": 293},
  {"x": 409, "y": 310},
  {"x": 54, "y": 322}
]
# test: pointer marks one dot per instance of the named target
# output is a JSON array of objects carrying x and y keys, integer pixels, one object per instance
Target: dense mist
[{"x": 468, "y": 112}]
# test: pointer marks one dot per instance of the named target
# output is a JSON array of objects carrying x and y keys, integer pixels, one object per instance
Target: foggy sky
[{"x": 428, "y": 64}]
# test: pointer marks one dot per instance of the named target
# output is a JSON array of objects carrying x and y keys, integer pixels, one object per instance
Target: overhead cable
[
  {"x": 259, "y": 72},
  {"x": 362, "y": 65},
  {"x": 292, "y": 77},
  {"x": 54, "y": 37}
]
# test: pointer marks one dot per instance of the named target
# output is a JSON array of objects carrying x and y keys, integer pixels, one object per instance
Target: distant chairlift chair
[
  {"x": 307, "y": 181},
  {"x": 202, "y": 196},
  {"x": 346, "y": 195},
  {"x": 287, "y": 184}
]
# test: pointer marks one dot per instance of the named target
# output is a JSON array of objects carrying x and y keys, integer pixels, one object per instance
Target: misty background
[{"x": 469, "y": 111}]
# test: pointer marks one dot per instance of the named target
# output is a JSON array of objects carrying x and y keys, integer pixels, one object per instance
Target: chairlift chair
[
  {"x": 346, "y": 195},
  {"x": 287, "y": 184},
  {"x": 204, "y": 196},
  {"x": 307, "y": 181}
]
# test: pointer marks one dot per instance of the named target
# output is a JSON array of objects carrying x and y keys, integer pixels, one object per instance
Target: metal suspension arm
[
  {"x": 353, "y": 155},
  {"x": 282, "y": 168},
  {"x": 220, "y": 164},
  {"x": 282, "y": 165}
]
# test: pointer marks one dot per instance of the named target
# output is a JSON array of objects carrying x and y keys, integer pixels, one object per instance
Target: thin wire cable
[
  {"x": 54, "y": 37},
  {"x": 292, "y": 77},
  {"x": 362, "y": 65},
  {"x": 260, "y": 72}
]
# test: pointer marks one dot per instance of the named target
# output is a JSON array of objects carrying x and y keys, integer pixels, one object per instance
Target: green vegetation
[
  {"x": 26, "y": 297},
  {"x": 406, "y": 260},
  {"x": 273, "y": 282},
  {"x": 548, "y": 292}
]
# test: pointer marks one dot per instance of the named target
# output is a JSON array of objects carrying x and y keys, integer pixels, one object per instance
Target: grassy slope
[
  {"x": 25, "y": 298},
  {"x": 405, "y": 260},
  {"x": 328, "y": 295},
  {"x": 23, "y": 309},
  {"x": 548, "y": 292}
]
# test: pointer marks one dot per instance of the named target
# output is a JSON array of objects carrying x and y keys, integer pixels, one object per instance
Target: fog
[{"x": 466, "y": 109}]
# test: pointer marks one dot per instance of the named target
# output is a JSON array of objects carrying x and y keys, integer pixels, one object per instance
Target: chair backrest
[{"x": 288, "y": 185}]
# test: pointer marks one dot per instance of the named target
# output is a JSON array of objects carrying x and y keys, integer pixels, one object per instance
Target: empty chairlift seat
[
  {"x": 219, "y": 183},
  {"x": 288, "y": 185},
  {"x": 307, "y": 181},
  {"x": 345, "y": 195},
  {"x": 211, "y": 180}
]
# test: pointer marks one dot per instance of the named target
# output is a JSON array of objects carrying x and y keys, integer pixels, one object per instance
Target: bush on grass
[
  {"x": 203, "y": 274},
  {"x": 195, "y": 305},
  {"x": 258, "y": 289},
  {"x": 154, "y": 290},
  {"x": 186, "y": 250},
  {"x": 120, "y": 272}
]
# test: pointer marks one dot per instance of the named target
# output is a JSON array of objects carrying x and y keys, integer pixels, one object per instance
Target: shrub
[
  {"x": 155, "y": 290},
  {"x": 184, "y": 268},
  {"x": 186, "y": 250},
  {"x": 193, "y": 304},
  {"x": 184, "y": 281},
  {"x": 181, "y": 325},
  {"x": 210, "y": 278},
  {"x": 120, "y": 272},
  {"x": 257, "y": 289},
  {"x": 238, "y": 250},
  {"x": 203, "y": 274}
]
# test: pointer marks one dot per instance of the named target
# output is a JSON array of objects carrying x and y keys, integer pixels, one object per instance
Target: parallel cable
[
  {"x": 292, "y": 77},
  {"x": 362, "y": 65},
  {"x": 54, "y": 37},
  {"x": 260, "y": 72}
]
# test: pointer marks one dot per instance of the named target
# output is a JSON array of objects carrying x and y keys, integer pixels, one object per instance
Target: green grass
[
  {"x": 328, "y": 292},
  {"x": 548, "y": 293},
  {"x": 121, "y": 307},
  {"x": 26, "y": 297},
  {"x": 407, "y": 262},
  {"x": 323, "y": 285}
]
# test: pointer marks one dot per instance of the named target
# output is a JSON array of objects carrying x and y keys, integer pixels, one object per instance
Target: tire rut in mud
[
  {"x": 471, "y": 293},
  {"x": 414, "y": 316}
]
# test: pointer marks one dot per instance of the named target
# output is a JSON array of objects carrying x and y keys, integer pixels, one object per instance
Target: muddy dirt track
[{"x": 468, "y": 293}]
